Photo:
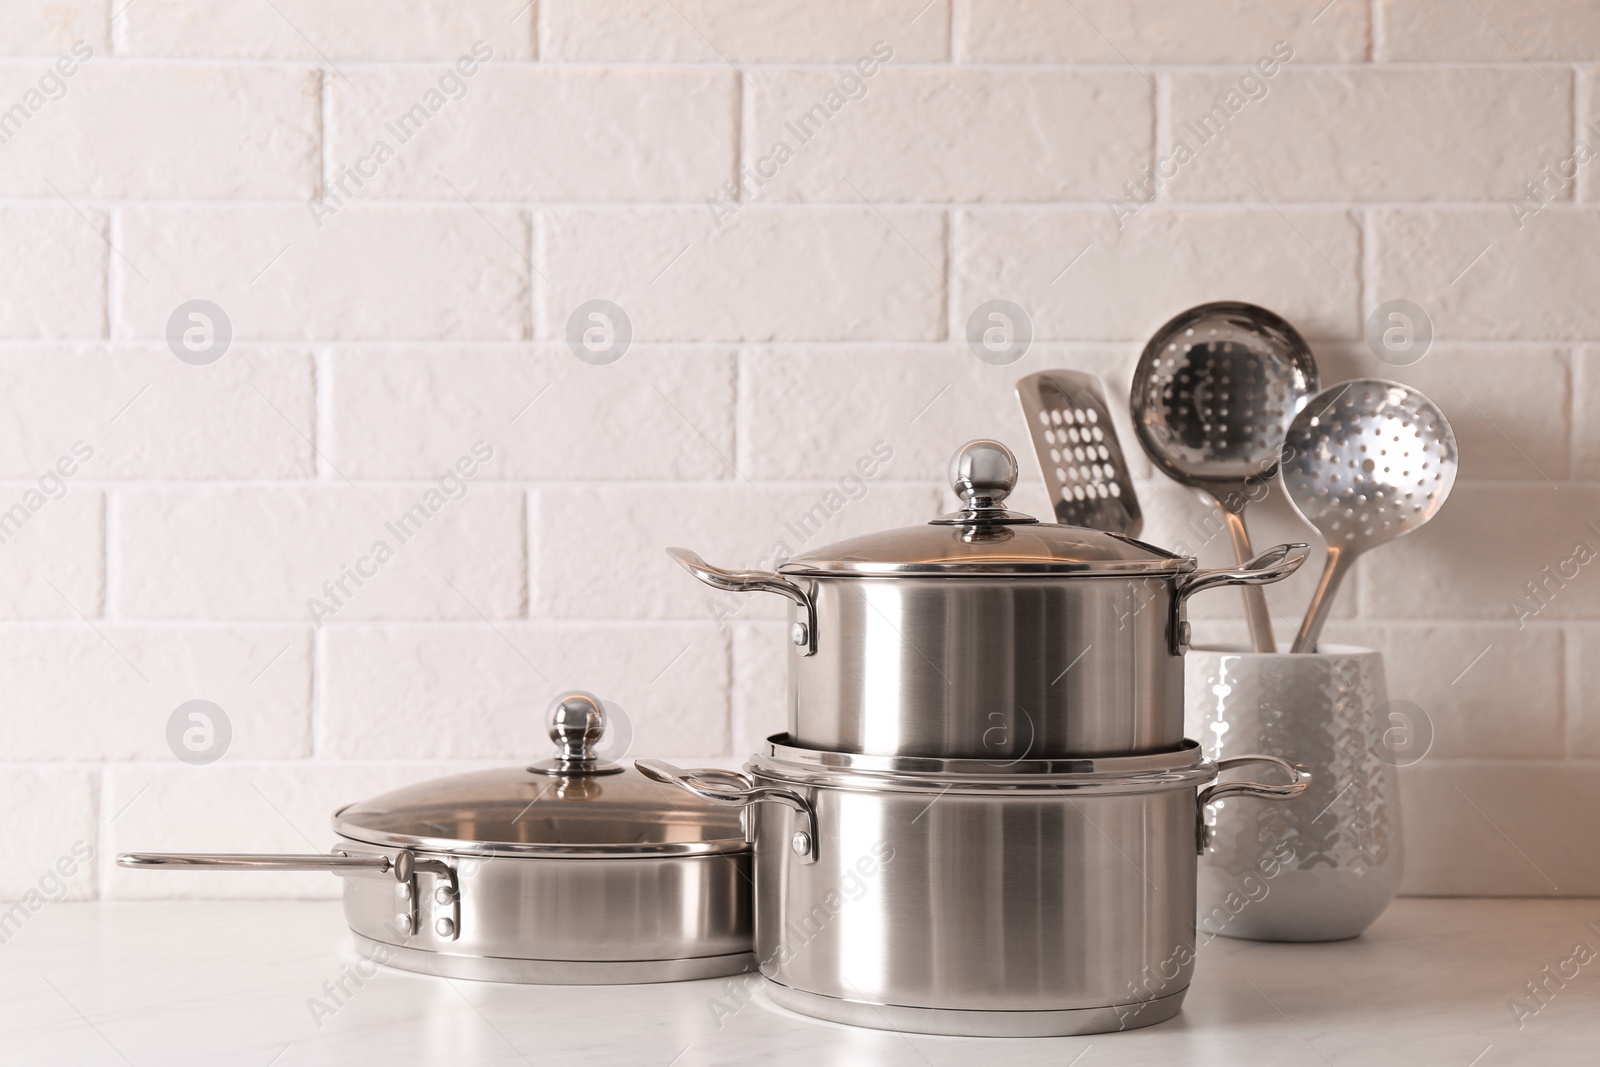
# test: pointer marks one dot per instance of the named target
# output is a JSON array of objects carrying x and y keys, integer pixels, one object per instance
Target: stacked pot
[{"x": 984, "y": 817}]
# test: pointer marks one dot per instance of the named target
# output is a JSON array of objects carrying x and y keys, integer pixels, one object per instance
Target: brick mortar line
[
  {"x": 376, "y": 762},
  {"x": 72, "y": 623},
  {"x": 119, "y": 204},
  {"x": 556, "y": 345},
  {"x": 301, "y": 623},
  {"x": 505, "y": 486},
  {"x": 1586, "y": 763},
  {"x": 599, "y": 66}
]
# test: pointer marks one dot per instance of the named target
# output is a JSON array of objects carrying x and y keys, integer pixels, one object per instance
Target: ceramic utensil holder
[{"x": 1323, "y": 866}]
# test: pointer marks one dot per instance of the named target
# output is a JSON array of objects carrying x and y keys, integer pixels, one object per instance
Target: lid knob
[
  {"x": 577, "y": 723},
  {"x": 983, "y": 473}
]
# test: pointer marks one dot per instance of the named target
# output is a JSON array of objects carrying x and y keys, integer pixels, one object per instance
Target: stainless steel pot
[
  {"x": 573, "y": 871},
  {"x": 987, "y": 633},
  {"x": 1035, "y": 898}
]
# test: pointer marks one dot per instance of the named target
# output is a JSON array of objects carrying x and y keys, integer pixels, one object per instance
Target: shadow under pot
[
  {"x": 988, "y": 634},
  {"x": 574, "y": 870},
  {"x": 1030, "y": 899}
]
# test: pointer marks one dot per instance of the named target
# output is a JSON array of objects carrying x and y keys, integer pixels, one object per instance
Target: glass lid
[
  {"x": 984, "y": 539},
  {"x": 573, "y": 805}
]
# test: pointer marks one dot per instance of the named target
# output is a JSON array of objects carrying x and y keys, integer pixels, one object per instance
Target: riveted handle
[
  {"x": 704, "y": 784},
  {"x": 336, "y": 863},
  {"x": 403, "y": 866},
  {"x": 754, "y": 582},
  {"x": 1299, "y": 780},
  {"x": 1273, "y": 565}
]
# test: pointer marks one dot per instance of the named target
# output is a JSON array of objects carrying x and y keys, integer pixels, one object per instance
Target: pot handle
[
  {"x": 1299, "y": 782},
  {"x": 702, "y": 784},
  {"x": 1273, "y": 565},
  {"x": 754, "y": 582},
  {"x": 403, "y": 866}
]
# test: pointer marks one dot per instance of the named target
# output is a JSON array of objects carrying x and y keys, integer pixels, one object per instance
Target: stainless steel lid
[
  {"x": 573, "y": 805},
  {"x": 985, "y": 539}
]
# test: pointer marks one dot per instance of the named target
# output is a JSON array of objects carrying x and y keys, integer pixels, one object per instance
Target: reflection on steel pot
[
  {"x": 1035, "y": 898},
  {"x": 989, "y": 633},
  {"x": 573, "y": 870}
]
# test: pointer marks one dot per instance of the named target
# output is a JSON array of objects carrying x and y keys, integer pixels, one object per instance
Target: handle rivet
[
  {"x": 444, "y": 895},
  {"x": 799, "y": 634},
  {"x": 800, "y": 842},
  {"x": 445, "y": 927},
  {"x": 403, "y": 890},
  {"x": 402, "y": 923}
]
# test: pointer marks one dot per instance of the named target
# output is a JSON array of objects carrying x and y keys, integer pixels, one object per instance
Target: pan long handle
[
  {"x": 706, "y": 785},
  {"x": 754, "y": 582},
  {"x": 244, "y": 861},
  {"x": 403, "y": 865}
]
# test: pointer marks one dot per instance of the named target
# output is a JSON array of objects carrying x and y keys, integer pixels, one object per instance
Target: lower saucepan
[{"x": 963, "y": 897}]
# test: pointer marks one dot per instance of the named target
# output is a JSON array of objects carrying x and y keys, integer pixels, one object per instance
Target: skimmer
[
  {"x": 1212, "y": 396},
  {"x": 1366, "y": 462}
]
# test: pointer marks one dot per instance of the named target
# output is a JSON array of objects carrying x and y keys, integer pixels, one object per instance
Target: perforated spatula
[{"x": 1084, "y": 466}]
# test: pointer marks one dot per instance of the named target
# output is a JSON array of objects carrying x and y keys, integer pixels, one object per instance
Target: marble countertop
[{"x": 1433, "y": 982}]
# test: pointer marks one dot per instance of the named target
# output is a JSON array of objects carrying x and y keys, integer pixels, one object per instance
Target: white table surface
[{"x": 228, "y": 983}]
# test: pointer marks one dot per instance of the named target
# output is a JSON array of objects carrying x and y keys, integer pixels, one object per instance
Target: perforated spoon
[
  {"x": 1366, "y": 462},
  {"x": 1213, "y": 394}
]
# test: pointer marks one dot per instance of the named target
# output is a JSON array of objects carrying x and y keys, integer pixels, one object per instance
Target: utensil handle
[
  {"x": 753, "y": 582},
  {"x": 1256, "y": 615},
  {"x": 1299, "y": 781},
  {"x": 703, "y": 784},
  {"x": 1322, "y": 600}
]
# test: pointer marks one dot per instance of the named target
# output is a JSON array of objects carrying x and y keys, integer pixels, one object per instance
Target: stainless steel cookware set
[{"x": 984, "y": 818}]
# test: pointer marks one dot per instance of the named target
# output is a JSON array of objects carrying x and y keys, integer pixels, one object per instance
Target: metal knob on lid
[
  {"x": 983, "y": 473},
  {"x": 577, "y": 723}
]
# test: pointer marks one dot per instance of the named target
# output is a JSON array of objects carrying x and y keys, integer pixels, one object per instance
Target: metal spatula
[
  {"x": 1365, "y": 462},
  {"x": 1084, "y": 466}
]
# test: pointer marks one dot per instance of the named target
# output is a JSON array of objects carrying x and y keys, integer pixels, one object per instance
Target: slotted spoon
[
  {"x": 1366, "y": 462},
  {"x": 1214, "y": 391},
  {"x": 1082, "y": 459}
]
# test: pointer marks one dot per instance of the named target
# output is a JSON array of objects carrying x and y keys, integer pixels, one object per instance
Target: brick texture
[{"x": 559, "y": 285}]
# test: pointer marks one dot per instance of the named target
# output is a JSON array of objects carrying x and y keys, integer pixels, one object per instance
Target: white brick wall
[{"x": 396, "y": 296}]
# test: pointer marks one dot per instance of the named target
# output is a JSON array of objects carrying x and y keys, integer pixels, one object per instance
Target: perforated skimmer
[
  {"x": 1214, "y": 391},
  {"x": 1079, "y": 452},
  {"x": 1366, "y": 462}
]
